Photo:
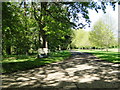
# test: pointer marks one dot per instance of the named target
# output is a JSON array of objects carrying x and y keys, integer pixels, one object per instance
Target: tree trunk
[
  {"x": 26, "y": 24},
  {"x": 39, "y": 39},
  {"x": 106, "y": 49},
  {"x": 41, "y": 24},
  {"x": 42, "y": 35},
  {"x": 8, "y": 50},
  {"x": 44, "y": 44}
]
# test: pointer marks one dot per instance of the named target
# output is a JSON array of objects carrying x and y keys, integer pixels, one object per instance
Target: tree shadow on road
[{"x": 80, "y": 71}]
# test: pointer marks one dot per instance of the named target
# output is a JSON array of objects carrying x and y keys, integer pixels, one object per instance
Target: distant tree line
[{"x": 100, "y": 37}]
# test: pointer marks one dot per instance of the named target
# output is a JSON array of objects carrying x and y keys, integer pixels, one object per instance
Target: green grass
[
  {"x": 103, "y": 55},
  {"x": 15, "y": 63}
]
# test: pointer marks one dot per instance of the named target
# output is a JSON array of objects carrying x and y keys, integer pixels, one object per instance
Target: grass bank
[
  {"x": 15, "y": 63},
  {"x": 111, "y": 56}
]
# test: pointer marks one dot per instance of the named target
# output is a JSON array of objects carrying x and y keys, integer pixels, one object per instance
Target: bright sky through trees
[{"x": 94, "y": 16}]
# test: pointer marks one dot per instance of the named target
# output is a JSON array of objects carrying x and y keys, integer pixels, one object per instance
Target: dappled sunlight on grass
[
  {"x": 31, "y": 62},
  {"x": 16, "y": 60},
  {"x": 103, "y": 55}
]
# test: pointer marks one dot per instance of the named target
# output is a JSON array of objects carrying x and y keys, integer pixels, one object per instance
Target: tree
[
  {"x": 17, "y": 35},
  {"x": 80, "y": 38},
  {"x": 112, "y": 21},
  {"x": 29, "y": 25},
  {"x": 101, "y": 35},
  {"x": 62, "y": 12},
  {"x": 8, "y": 19},
  {"x": 46, "y": 13}
]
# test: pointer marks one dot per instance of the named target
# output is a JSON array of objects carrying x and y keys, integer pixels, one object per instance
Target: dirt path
[{"x": 82, "y": 70}]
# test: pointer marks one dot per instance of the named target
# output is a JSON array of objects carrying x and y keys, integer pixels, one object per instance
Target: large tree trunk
[
  {"x": 39, "y": 39},
  {"x": 8, "y": 50},
  {"x": 43, "y": 42},
  {"x": 44, "y": 39}
]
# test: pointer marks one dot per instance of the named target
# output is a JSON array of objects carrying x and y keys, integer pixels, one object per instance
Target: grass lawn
[
  {"x": 111, "y": 56},
  {"x": 14, "y": 63}
]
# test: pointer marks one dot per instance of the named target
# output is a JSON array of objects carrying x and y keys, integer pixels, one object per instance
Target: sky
[{"x": 94, "y": 16}]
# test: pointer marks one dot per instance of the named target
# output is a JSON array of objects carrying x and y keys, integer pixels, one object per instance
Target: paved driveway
[{"x": 82, "y": 70}]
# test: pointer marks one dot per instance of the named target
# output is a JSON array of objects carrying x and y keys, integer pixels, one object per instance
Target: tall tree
[
  {"x": 10, "y": 17},
  {"x": 102, "y": 35},
  {"x": 52, "y": 23},
  {"x": 16, "y": 37},
  {"x": 46, "y": 12},
  {"x": 80, "y": 38},
  {"x": 62, "y": 12}
]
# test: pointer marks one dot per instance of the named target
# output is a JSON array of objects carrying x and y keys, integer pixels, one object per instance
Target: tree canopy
[
  {"x": 80, "y": 39},
  {"x": 102, "y": 35},
  {"x": 28, "y": 26}
]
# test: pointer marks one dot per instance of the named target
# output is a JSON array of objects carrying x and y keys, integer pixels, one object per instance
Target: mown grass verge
[
  {"x": 103, "y": 55},
  {"x": 17, "y": 63}
]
